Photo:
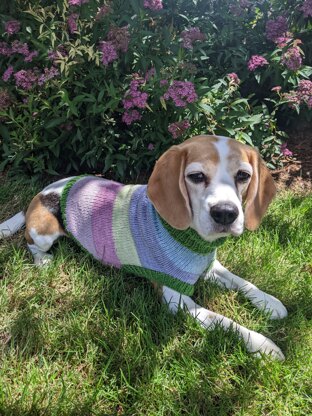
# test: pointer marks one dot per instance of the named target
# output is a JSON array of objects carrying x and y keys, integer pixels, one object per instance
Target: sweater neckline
[{"x": 191, "y": 239}]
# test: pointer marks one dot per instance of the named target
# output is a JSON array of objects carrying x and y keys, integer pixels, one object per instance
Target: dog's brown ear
[
  {"x": 167, "y": 190},
  {"x": 260, "y": 192}
]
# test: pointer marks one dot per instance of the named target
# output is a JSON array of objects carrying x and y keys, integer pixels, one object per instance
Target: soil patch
[{"x": 296, "y": 174}]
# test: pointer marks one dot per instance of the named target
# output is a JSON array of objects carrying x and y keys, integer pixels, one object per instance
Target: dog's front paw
[
  {"x": 267, "y": 303},
  {"x": 42, "y": 260},
  {"x": 260, "y": 344}
]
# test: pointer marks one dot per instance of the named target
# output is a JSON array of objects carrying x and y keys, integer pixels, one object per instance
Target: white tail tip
[{"x": 12, "y": 225}]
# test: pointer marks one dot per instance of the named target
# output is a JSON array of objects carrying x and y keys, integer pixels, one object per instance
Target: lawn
[{"x": 77, "y": 338}]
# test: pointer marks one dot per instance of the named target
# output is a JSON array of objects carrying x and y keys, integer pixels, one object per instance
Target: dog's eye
[
  {"x": 197, "y": 177},
  {"x": 242, "y": 176}
]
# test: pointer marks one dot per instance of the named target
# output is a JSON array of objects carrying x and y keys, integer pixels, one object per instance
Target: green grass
[{"x": 77, "y": 338}]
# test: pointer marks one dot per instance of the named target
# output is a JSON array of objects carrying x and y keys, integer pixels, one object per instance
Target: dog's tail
[{"x": 12, "y": 225}]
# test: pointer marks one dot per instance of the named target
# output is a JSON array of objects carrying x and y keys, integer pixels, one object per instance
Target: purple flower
[
  {"x": 7, "y": 73},
  {"x": 256, "y": 61},
  {"x": 191, "y": 35},
  {"x": 59, "y": 53},
  {"x": 153, "y": 4},
  {"x": 178, "y": 128},
  {"x": 181, "y": 92},
  {"x": 72, "y": 23},
  {"x": 276, "y": 28},
  {"x": 292, "y": 58},
  {"x": 49, "y": 73},
  {"x": 134, "y": 97},
  {"x": 5, "y": 99},
  {"x": 130, "y": 116},
  {"x": 149, "y": 74},
  {"x": 5, "y": 49},
  {"x": 102, "y": 12},
  {"x": 25, "y": 79},
  {"x": 306, "y": 8},
  {"x": 12, "y": 26},
  {"x": 31, "y": 56},
  {"x": 109, "y": 53},
  {"x": 304, "y": 92},
  {"x": 163, "y": 82},
  {"x": 292, "y": 99},
  {"x": 282, "y": 41},
  {"x": 285, "y": 151},
  {"x": 21, "y": 48},
  {"x": 233, "y": 77},
  {"x": 119, "y": 37},
  {"x": 77, "y": 2},
  {"x": 150, "y": 146},
  {"x": 276, "y": 89}
]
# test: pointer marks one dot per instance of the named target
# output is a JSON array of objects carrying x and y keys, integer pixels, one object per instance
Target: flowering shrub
[{"x": 107, "y": 86}]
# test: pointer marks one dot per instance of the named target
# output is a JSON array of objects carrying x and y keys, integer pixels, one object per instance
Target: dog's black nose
[{"x": 224, "y": 213}]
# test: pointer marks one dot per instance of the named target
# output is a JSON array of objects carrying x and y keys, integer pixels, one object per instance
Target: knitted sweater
[{"x": 119, "y": 226}]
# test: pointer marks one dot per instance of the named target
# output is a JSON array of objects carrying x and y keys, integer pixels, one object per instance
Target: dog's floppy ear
[
  {"x": 260, "y": 192},
  {"x": 167, "y": 190}
]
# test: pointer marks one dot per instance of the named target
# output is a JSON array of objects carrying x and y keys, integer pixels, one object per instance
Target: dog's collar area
[{"x": 190, "y": 239}]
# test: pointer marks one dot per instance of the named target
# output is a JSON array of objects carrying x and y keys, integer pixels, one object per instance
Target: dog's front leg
[
  {"x": 254, "y": 341},
  {"x": 261, "y": 300}
]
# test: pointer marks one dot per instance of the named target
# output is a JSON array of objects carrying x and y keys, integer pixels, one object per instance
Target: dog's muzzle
[{"x": 224, "y": 213}]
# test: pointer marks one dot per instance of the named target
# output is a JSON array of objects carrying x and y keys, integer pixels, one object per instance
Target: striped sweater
[{"x": 119, "y": 226}]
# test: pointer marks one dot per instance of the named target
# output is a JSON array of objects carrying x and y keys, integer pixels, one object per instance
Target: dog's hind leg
[
  {"x": 255, "y": 342},
  {"x": 43, "y": 226},
  {"x": 261, "y": 300}
]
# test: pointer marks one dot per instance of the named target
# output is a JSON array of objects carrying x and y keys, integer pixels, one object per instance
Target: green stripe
[
  {"x": 162, "y": 278},
  {"x": 124, "y": 243},
  {"x": 192, "y": 240}
]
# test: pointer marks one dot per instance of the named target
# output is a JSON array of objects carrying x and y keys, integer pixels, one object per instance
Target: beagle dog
[{"x": 200, "y": 191}]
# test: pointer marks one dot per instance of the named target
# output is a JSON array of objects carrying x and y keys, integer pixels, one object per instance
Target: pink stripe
[{"x": 102, "y": 222}]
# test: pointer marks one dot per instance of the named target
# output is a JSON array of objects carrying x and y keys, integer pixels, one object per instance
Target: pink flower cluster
[
  {"x": 275, "y": 29},
  {"x": 304, "y": 92},
  {"x": 190, "y": 36},
  {"x": 8, "y": 73},
  {"x": 238, "y": 9},
  {"x": 29, "y": 78},
  {"x": 153, "y": 4},
  {"x": 5, "y": 99},
  {"x": 72, "y": 23},
  {"x": 133, "y": 99},
  {"x": 12, "y": 26},
  {"x": 307, "y": 8},
  {"x": 292, "y": 58},
  {"x": 109, "y": 53},
  {"x": 178, "y": 128},
  {"x": 26, "y": 79},
  {"x": 256, "y": 61},
  {"x": 286, "y": 152},
  {"x": 17, "y": 47},
  {"x": 233, "y": 77},
  {"x": 181, "y": 92},
  {"x": 102, "y": 12},
  {"x": 118, "y": 41},
  {"x": 77, "y": 2}
]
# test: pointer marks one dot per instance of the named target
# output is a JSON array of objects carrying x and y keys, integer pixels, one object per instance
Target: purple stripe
[
  {"x": 102, "y": 221},
  {"x": 78, "y": 218}
]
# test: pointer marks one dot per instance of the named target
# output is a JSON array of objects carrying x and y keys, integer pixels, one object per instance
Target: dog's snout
[{"x": 224, "y": 213}]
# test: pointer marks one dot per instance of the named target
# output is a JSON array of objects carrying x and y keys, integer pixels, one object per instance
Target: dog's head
[{"x": 212, "y": 184}]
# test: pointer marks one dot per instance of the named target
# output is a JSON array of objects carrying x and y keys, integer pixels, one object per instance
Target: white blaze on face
[{"x": 220, "y": 189}]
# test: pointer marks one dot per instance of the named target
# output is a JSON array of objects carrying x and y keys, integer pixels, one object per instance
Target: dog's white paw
[
  {"x": 258, "y": 344},
  {"x": 42, "y": 260},
  {"x": 267, "y": 303}
]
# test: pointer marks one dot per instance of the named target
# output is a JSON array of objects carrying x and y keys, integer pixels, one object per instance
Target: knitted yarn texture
[{"x": 119, "y": 226}]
